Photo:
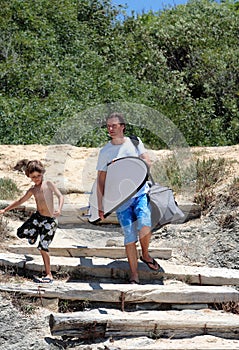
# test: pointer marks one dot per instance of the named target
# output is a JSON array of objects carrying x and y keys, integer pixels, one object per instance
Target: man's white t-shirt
[{"x": 126, "y": 149}]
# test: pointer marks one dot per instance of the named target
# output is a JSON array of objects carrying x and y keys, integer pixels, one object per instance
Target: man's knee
[{"x": 145, "y": 231}]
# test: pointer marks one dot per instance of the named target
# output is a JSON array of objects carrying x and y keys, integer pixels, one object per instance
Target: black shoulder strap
[{"x": 134, "y": 139}]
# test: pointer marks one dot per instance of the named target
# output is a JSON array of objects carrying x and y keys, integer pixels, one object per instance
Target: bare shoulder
[
  {"x": 28, "y": 193},
  {"x": 50, "y": 184},
  {"x": 30, "y": 190}
]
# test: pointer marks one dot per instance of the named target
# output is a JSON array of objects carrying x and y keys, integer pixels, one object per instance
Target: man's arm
[
  {"x": 145, "y": 157},
  {"x": 100, "y": 192}
]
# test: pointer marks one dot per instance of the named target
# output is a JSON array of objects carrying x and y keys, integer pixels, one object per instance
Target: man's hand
[{"x": 101, "y": 214}]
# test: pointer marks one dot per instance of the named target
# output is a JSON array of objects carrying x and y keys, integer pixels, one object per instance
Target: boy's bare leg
[
  {"x": 132, "y": 256},
  {"x": 46, "y": 260}
]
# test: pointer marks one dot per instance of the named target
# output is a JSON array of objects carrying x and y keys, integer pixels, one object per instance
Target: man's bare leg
[
  {"x": 144, "y": 239},
  {"x": 131, "y": 252}
]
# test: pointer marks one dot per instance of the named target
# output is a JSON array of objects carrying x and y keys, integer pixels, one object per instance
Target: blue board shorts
[{"x": 133, "y": 215}]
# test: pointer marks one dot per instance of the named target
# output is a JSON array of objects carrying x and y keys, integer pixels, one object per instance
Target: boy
[{"x": 43, "y": 222}]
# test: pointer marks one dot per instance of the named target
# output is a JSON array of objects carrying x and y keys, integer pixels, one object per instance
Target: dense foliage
[{"x": 62, "y": 57}]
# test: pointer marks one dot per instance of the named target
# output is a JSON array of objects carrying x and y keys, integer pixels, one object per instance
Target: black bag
[{"x": 164, "y": 208}]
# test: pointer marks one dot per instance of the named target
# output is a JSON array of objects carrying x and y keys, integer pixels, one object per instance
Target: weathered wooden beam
[
  {"x": 113, "y": 323},
  {"x": 108, "y": 268},
  {"x": 72, "y": 214},
  {"x": 190, "y": 210},
  {"x": 103, "y": 252},
  {"x": 109, "y": 292}
]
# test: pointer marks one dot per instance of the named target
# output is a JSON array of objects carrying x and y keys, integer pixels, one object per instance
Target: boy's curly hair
[{"x": 34, "y": 165}]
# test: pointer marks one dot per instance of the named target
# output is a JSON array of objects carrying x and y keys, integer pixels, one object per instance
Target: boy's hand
[
  {"x": 57, "y": 213},
  {"x": 2, "y": 211}
]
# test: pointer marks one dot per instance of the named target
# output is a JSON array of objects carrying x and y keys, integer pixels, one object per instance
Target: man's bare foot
[{"x": 153, "y": 265}]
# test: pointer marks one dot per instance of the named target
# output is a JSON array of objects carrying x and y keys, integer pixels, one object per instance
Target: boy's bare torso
[{"x": 43, "y": 195}]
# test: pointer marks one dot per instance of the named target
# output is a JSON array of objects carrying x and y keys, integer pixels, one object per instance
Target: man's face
[{"x": 115, "y": 129}]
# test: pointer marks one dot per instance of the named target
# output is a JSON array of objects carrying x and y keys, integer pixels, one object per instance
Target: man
[{"x": 134, "y": 216}]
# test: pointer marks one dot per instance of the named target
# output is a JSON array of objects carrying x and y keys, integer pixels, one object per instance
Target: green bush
[
  {"x": 61, "y": 58},
  {"x": 209, "y": 173},
  {"x": 168, "y": 172},
  {"x": 8, "y": 189}
]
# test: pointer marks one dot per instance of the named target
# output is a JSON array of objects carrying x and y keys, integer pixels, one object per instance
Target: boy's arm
[
  {"x": 18, "y": 202},
  {"x": 60, "y": 198}
]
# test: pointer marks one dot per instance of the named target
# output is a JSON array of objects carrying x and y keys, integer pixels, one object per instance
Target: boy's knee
[{"x": 42, "y": 249}]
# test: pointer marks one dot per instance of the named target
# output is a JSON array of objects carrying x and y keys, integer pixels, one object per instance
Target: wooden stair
[
  {"x": 190, "y": 210},
  {"x": 129, "y": 293},
  {"x": 105, "y": 323},
  {"x": 118, "y": 269},
  {"x": 72, "y": 214},
  {"x": 102, "y": 280},
  {"x": 77, "y": 251}
]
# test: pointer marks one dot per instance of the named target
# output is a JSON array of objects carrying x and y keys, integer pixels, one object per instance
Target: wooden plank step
[
  {"x": 72, "y": 214},
  {"x": 115, "y": 293},
  {"x": 82, "y": 216},
  {"x": 190, "y": 210},
  {"x": 104, "y": 252},
  {"x": 108, "y": 268},
  {"x": 105, "y": 323}
]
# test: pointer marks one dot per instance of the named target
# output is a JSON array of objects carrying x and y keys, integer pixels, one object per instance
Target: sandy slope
[{"x": 73, "y": 170}]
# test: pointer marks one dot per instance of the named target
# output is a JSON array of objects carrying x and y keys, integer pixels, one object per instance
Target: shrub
[
  {"x": 209, "y": 172},
  {"x": 8, "y": 188},
  {"x": 233, "y": 197},
  {"x": 168, "y": 173},
  {"x": 4, "y": 232}
]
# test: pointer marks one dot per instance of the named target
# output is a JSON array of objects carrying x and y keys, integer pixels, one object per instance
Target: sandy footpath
[{"x": 73, "y": 168}]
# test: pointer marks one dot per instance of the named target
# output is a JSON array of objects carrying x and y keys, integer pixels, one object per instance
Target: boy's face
[{"x": 36, "y": 177}]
